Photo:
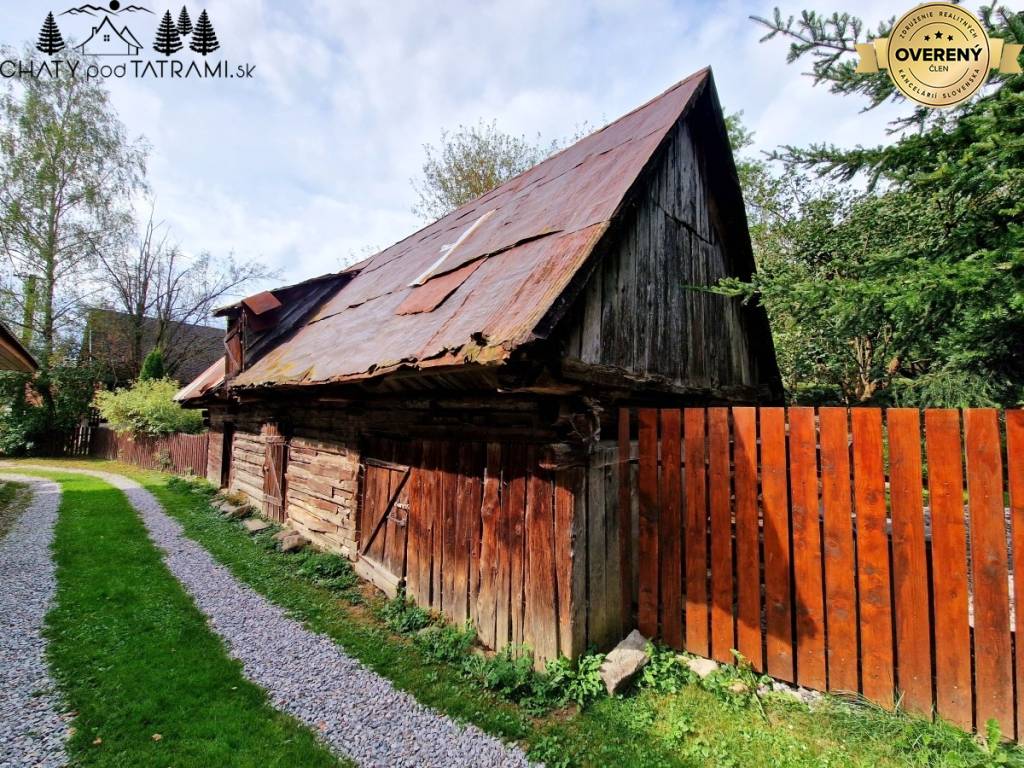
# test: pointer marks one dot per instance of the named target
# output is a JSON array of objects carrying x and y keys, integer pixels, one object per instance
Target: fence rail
[
  {"x": 183, "y": 454},
  {"x": 846, "y": 550}
]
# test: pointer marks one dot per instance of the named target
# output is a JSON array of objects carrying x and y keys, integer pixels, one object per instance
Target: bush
[
  {"x": 148, "y": 408},
  {"x": 38, "y": 412}
]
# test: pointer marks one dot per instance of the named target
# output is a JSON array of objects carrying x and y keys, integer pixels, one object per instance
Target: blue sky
[{"x": 309, "y": 164}]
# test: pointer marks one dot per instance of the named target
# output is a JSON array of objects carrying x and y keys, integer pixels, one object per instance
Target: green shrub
[
  {"x": 148, "y": 408},
  {"x": 447, "y": 642},
  {"x": 403, "y": 616}
]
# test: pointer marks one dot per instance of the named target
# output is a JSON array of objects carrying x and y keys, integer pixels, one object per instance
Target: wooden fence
[
  {"x": 183, "y": 454},
  {"x": 843, "y": 550}
]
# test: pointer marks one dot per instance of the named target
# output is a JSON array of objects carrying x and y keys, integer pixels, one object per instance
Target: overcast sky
[{"x": 310, "y": 162}]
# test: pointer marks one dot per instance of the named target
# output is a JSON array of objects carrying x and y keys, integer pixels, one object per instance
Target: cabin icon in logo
[{"x": 105, "y": 40}]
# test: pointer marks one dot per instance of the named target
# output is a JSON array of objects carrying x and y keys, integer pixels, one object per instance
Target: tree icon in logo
[
  {"x": 204, "y": 39},
  {"x": 168, "y": 41},
  {"x": 184, "y": 23},
  {"x": 50, "y": 40}
]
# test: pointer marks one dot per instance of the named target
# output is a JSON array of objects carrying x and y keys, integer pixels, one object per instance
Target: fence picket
[
  {"x": 748, "y": 557},
  {"x": 647, "y": 559},
  {"x": 696, "y": 532},
  {"x": 994, "y": 697},
  {"x": 723, "y": 637},
  {"x": 1015, "y": 473},
  {"x": 840, "y": 587},
  {"x": 909, "y": 566},
  {"x": 778, "y": 608},
  {"x": 670, "y": 523},
  {"x": 949, "y": 566},
  {"x": 873, "y": 580}
]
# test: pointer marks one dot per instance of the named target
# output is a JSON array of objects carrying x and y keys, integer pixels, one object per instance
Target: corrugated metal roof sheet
[
  {"x": 532, "y": 235},
  {"x": 209, "y": 379}
]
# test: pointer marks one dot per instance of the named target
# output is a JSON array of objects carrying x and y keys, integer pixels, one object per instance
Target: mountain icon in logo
[{"x": 113, "y": 7}]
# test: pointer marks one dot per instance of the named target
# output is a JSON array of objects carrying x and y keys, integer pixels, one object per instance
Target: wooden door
[
  {"x": 274, "y": 459},
  {"x": 227, "y": 446},
  {"x": 383, "y": 524}
]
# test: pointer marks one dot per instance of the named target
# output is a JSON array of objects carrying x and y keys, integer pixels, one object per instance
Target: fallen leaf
[
  {"x": 97, "y": 741},
  {"x": 157, "y": 737}
]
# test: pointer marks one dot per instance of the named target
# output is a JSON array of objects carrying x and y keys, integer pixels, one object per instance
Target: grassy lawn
[
  {"x": 150, "y": 683},
  {"x": 14, "y": 497},
  {"x": 668, "y": 721}
]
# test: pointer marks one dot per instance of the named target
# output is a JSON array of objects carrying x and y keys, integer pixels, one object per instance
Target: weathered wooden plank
[
  {"x": 450, "y": 560},
  {"x": 949, "y": 566},
  {"x": 541, "y": 631},
  {"x": 503, "y": 577},
  {"x": 778, "y": 605},
  {"x": 723, "y": 635},
  {"x": 805, "y": 521},
  {"x": 571, "y": 559},
  {"x": 909, "y": 565},
  {"x": 873, "y": 579},
  {"x": 625, "y": 523},
  {"x": 464, "y": 514},
  {"x": 490, "y": 514},
  {"x": 608, "y": 456},
  {"x": 598, "y": 621},
  {"x": 521, "y": 458},
  {"x": 1015, "y": 475},
  {"x": 748, "y": 557},
  {"x": 670, "y": 528},
  {"x": 840, "y": 566},
  {"x": 475, "y": 481},
  {"x": 695, "y": 485},
  {"x": 993, "y": 673},
  {"x": 647, "y": 561}
]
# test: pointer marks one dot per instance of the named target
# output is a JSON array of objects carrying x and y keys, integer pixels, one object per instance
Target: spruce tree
[
  {"x": 50, "y": 40},
  {"x": 153, "y": 366},
  {"x": 168, "y": 41},
  {"x": 184, "y": 23},
  {"x": 204, "y": 39}
]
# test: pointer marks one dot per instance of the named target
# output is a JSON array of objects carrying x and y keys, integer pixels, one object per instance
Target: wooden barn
[{"x": 444, "y": 413}]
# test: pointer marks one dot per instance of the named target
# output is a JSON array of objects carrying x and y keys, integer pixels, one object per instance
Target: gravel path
[
  {"x": 32, "y": 733},
  {"x": 356, "y": 711}
]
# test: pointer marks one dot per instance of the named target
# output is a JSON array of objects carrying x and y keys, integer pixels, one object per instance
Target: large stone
[
  {"x": 624, "y": 662},
  {"x": 233, "y": 511},
  {"x": 701, "y": 667},
  {"x": 255, "y": 525},
  {"x": 293, "y": 542}
]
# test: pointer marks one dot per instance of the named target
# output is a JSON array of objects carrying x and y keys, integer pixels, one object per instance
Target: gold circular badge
[{"x": 939, "y": 54}]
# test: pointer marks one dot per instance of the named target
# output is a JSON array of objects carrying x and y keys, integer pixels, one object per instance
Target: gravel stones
[
  {"x": 357, "y": 712},
  {"x": 32, "y": 733}
]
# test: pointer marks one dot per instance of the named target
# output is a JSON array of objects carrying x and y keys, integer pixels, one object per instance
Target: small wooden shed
[{"x": 443, "y": 413}]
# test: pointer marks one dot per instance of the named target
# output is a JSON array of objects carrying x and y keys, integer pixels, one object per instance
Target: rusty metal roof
[
  {"x": 493, "y": 267},
  {"x": 209, "y": 379}
]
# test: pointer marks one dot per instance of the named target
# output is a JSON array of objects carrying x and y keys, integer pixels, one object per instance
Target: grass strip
[{"x": 149, "y": 682}]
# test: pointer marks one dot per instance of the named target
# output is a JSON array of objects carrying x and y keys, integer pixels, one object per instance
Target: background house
[
  {"x": 445, "y": 412},
  {"x": 118, "y": 343}
]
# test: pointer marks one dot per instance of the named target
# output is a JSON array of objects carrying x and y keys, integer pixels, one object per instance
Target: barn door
[{"x": 383, "y": 524}]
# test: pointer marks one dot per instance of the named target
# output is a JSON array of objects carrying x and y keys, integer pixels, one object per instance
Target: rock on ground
[
  {"x": 32, "y": 733},
  {"x": 624, "y": 662},
  {"x": 357, "y": 712}
]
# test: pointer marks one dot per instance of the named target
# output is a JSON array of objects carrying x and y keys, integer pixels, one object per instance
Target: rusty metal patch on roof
[
  {"x": 431, "y": 294},
  {"x": 261, "y": 302},
  {"x": 204, "y": 382}
]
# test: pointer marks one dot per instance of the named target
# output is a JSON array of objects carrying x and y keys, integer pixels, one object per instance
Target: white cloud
[{"x": 311, "y": 161}]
